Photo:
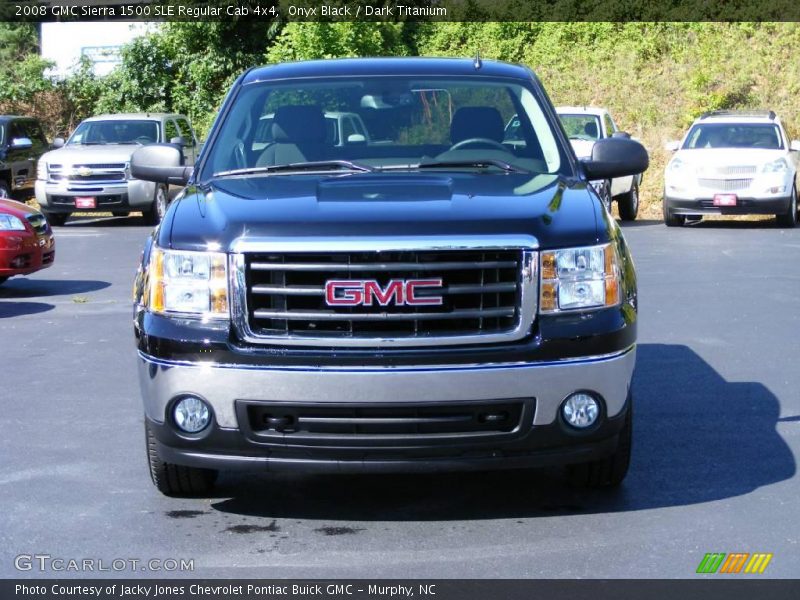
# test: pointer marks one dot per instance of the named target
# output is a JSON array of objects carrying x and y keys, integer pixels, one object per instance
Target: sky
[{"x": 64, "y": 43}]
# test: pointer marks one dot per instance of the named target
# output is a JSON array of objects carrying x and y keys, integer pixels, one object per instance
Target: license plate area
[
  {"x": 725, "y": 199},
  {"x": 85, "y": 202}
]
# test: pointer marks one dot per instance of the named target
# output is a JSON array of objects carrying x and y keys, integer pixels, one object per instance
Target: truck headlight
[
  {"x": 41, "y": 170},
  {"x": 11, "y": 223},
  {"x": 579, "y": 279},
  {"x": 776, "y": 166},
  {"x": 188, "y": 283}
]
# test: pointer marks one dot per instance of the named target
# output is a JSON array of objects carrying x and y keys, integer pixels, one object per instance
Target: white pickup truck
[{"x": 585, "y": 125}]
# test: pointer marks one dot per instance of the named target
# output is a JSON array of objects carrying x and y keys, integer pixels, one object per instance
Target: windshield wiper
[
  {"x": 483, "y": 163},
  {"x": 320, "y": 165}
]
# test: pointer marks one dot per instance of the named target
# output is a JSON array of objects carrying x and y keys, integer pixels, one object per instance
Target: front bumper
[
  {"x": 704, "y": 205},
  {"x": 23, "y": 252},
  {"x": 60, "y": 197},
  {"x": 540, "y": 438}
]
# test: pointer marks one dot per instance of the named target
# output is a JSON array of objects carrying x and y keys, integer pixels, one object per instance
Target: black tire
[
  {"x": 56, "y": 219},
  {"x": 628, "y": 203},
  {"x": 119, "y": 213},
  {"x": 5, "y": 191},
  {"x": 789, "y": 219},
  {"x": 670, "y": 219},
  {"x": 609, "y": 471},
  {"x": 176, "y": 480},
  {"x": 158, "y": 208}
]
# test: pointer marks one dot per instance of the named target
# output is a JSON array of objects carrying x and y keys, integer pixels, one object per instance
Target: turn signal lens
[
  {"x": 579, "y": 279},
  {"x": 188, "y": 283}
]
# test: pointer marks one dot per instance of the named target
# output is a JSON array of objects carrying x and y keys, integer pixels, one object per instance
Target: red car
[{"x": 26, "y": 240}]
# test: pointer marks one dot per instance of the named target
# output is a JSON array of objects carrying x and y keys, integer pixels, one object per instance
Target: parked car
[
  {"x": 21, "y": 144},
  {"x": 26, "y": 240},
  {"x": 342, "y": 128},
  {"x": 732, "y": 163},
  {"x": 440, "y": 301},
  {"x": 585, "y": 125},
  {"x": 90, "y": 171}
]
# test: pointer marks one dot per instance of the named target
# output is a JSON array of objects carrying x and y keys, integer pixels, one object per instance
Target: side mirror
[
  {"x": 160, "y": 163},
  {"x": 615, "y": 157},
  {"x": 672, "y": 146},
  {"x": 356, "y": 138},
  {"x": 58, "y": 143},
  {"x": 179, "y": 141},
  {"x": 21, "y": 143},
  {"x": 794, "y": 146}
]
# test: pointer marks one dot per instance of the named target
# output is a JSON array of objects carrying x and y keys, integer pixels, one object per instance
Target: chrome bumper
[{"x": 550, "y": 382}]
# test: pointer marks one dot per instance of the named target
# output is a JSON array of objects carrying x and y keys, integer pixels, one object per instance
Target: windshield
[
  {"x": 581, "y": 127},
  {"x": 115, "y": 132},
  {"x": 385, "y": 123},
  {"x": 734, "y": 135}
]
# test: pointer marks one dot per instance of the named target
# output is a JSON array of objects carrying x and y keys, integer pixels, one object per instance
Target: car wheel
[
  {"x": 628, "y": 203},
  {"x": 158, "y": 209},
  {"x": 790, "y": 218},
  {"x": 609, "y": 471},
  {"x": 176, "y": 480},
  {"x": 119, "y": 213},
  {"x": 670, "y": 219},
  {"x": 56, "y": 219}
]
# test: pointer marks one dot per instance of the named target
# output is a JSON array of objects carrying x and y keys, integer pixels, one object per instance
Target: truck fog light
[
  {"x": 580, "y": 410},
  {"x": 191, "y": 414}
]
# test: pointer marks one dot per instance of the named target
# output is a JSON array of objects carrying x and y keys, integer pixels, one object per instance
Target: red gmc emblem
[{"x": 354, "y": 292}]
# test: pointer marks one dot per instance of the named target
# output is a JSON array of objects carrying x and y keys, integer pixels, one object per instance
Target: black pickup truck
[{"x": 427, "y": 297}]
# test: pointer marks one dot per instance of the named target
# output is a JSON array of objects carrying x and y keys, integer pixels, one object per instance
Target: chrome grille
[
  {"x": 488, "y": 295},
  {"x": 725, "y": 185},
  {"x": 737, "y": 170},
  {"x": 89, "y": 173}
]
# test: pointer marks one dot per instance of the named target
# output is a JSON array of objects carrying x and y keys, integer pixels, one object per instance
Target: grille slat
[
  {"x": 452, "y": 289},
  {"x": 400, "y": 266},
  {"x": 725, "y": 185},
  {"x": 306, "y": 315}
]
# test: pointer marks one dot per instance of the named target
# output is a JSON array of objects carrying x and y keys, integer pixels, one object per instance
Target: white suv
[
  {"x": 732, "y": 163},
  {"x": 585, "y": 125}
]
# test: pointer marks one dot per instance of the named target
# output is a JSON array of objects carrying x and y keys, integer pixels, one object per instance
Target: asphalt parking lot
[{"x": 717, "y": 432}]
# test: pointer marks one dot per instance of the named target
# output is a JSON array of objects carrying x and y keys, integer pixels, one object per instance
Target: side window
[
  {"x": 15, "y": 131},
  {"x": 170, "y": 130},
  {"x": 348, "y": 128},
  {"x": 186, "y": 130},
  {"x": 609, "y": 124},
  {"x": 35, "y": 132}
]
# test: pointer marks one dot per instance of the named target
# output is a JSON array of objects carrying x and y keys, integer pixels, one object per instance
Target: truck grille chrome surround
[{"x": 489, "y": 291}]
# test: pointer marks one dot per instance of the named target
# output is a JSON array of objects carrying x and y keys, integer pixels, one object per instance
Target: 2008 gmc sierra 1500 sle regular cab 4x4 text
[{"x": 439, "y": 300}]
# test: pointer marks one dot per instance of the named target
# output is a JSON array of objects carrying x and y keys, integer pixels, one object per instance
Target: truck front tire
[
  {"x": 609, "y": 471},
  {"x": 154, "y": 214},
  {"x": 628, "y": 203},
  {"x": 176, "y": 480},
  {"x": 57, "y": 219}
]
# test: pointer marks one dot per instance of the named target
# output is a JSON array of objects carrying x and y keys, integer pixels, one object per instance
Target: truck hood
[
  {"x": 86, "y": 155},
  {"x": 556, "y": 211}
]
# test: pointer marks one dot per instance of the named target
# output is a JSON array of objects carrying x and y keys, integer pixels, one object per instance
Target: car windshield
[
  {"x": 115, "y": 132},
  {"x": 581, "y": 127},
  {"x": 734, "y": 135},
  {"x": 384, "y": 123}
]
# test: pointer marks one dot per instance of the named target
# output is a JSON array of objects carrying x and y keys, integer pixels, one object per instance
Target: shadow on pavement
[
  {"x": 697, "y": 438},
  {"x": 23, "y": 287},
  {"x": 17, "y": 309}
]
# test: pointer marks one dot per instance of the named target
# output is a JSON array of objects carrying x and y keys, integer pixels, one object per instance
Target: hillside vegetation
[{"x": 654, "y": 77}]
